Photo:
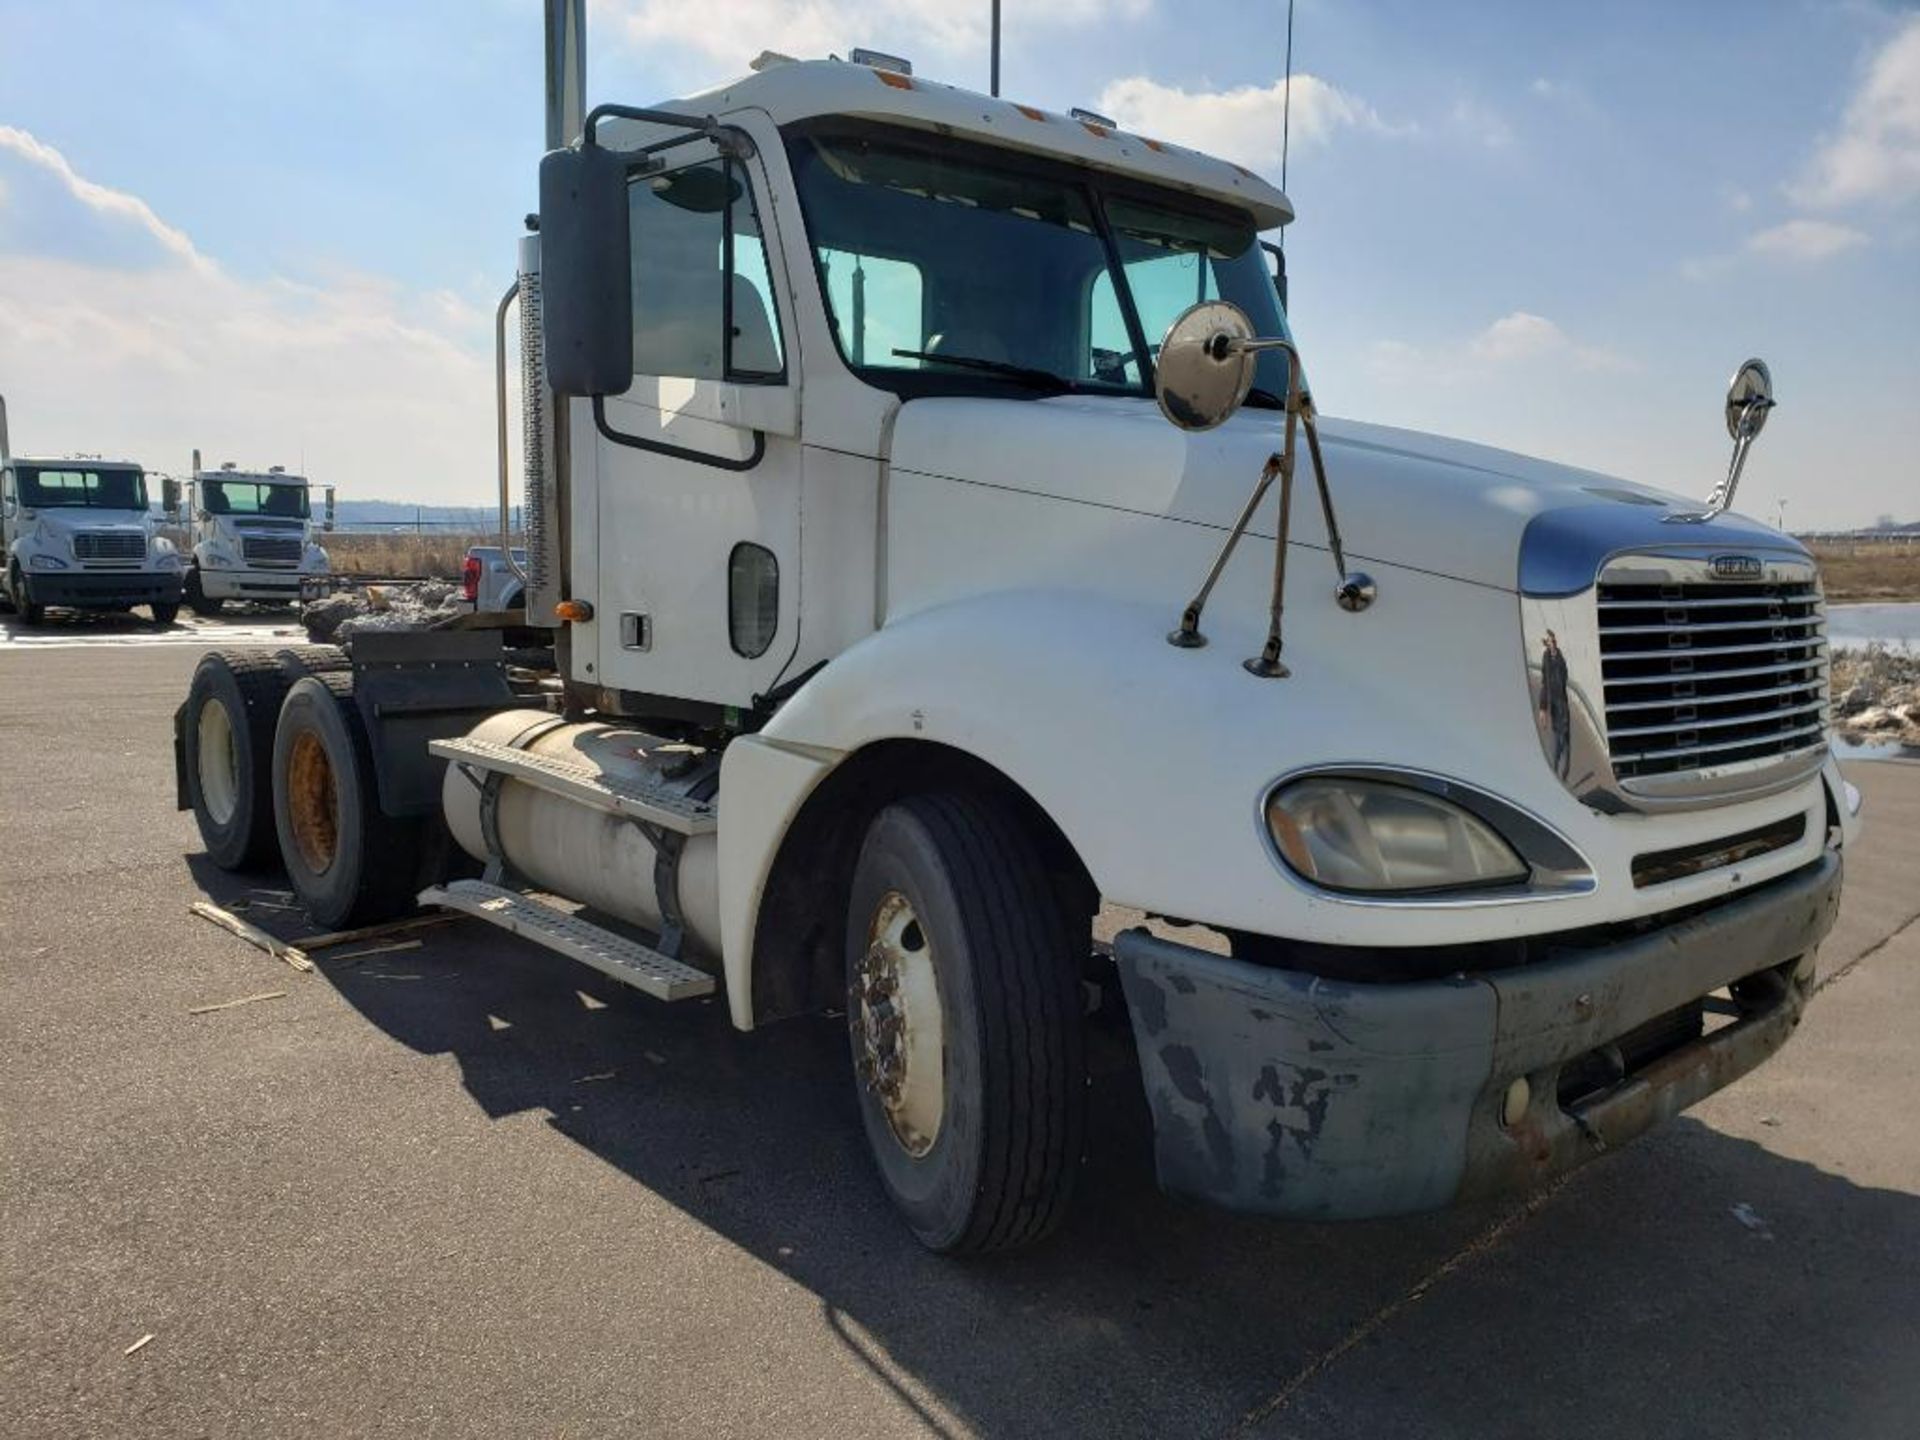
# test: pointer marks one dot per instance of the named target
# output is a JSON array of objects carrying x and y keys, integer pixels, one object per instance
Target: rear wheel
[
  {"x": 227, "y": 741},
  {"x": 347, "y": 863},
  {"x": 963, "y": 1002},
  {"x": 299, "y": 660}
]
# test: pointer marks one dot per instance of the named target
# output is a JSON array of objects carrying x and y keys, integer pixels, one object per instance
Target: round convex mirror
[
  {"x": 1749, "y": 398},
  {"x": 1201, "y": 375}
]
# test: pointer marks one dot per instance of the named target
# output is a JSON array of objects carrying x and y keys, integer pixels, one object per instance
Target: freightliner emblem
[{"x": 1736, "y": 567}]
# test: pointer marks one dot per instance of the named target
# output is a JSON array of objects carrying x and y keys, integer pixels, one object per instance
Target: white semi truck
[
  {"x": 888, "y": 445},
  {"x": 252, "y": 535},
  {"x": 77, "y": 534}
]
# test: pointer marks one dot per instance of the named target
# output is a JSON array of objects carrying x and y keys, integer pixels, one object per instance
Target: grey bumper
[
  {"x": 1283, "y": 1093},
  {"x": 102, "y": 590}
]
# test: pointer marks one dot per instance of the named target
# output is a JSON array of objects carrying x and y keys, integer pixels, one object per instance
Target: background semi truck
[
  {"x": 78, "y": 534},
  {"x": 910, "y": 481},
  {"x": 251, "y": 536}
]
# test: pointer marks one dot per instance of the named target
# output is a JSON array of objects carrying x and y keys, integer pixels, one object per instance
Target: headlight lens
[
  {"x": 42, "y": 561},
  {"x": 1352, "y": 834}
]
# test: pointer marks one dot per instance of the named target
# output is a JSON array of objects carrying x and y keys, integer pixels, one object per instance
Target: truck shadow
[{"x": 1151, "y": 1316}]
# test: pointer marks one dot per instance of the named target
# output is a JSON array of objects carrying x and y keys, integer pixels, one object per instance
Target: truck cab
[
  {"x": 78, "y": 534},
  {"x": 253, "y": 537},
  {"x": 911, "y": 498}
]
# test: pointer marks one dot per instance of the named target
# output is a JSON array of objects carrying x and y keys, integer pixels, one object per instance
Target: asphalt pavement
[{"x": 472, "y": 1189}]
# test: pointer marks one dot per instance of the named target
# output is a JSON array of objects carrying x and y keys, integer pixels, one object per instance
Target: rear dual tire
[
  {"x": 227, "y": 734},
  {"x": 347, "y": 862}
]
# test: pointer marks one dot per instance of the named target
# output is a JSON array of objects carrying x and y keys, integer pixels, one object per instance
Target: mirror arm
[
  {"x": 1354, "y": 591},
  {"x": 1721, "y": 500}
]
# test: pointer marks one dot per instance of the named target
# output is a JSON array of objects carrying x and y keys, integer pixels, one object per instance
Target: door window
[{"x": 702, "y": 286}]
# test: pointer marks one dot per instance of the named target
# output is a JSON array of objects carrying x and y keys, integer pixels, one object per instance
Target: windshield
[
  {"x": 253, "y": 497},
  {"x": 970, "y": 268},
  {"x": 50, "y": 489}
]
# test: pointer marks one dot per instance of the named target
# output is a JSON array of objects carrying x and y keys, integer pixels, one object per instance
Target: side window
[
  {"x": 702, "y": 290},
  {"x": 877, "y": 305}
]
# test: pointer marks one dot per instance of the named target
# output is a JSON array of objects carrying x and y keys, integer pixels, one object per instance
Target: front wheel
[
  {"x": 963, "y": 1003},
  {"x": 165, "y": 612},
  {"x": 29, "y": 612},
  {"x": 202, "y": 604}
]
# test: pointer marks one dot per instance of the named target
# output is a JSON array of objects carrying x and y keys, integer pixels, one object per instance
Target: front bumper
[
  {"x": 102, "y": 590},
  {"x": 1283, "y": 1093},
  {"x": 277, "y": 586}
]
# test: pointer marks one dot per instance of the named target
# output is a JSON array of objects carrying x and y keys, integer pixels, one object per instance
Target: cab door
[{"x": 697, "y": 466}]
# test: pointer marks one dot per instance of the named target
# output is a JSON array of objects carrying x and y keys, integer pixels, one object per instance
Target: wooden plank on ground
[
  {"x": 243, "y": 1000},
  {"x": 373, "y": 932},
  {"x": 252, "y": 934}
]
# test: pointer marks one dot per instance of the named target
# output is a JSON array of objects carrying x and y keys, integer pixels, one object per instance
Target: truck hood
[
  {"x": 1401, "y": 497},
  {"x": 62, "y": 520}
]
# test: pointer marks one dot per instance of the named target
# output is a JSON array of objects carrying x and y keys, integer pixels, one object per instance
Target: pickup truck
[{"x": 489, "y": 583}]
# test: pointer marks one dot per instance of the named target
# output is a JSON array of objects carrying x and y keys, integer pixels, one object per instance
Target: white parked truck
[
  {"x": 77, "y": 534},
  {"x": 887, "y": 447},
  {"x": 252, "y": 535}
]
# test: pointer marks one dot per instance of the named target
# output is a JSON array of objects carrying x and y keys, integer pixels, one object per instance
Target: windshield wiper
[
  {"x": 1265, "y": 399},
  {"x": 1024, "y": 374}
]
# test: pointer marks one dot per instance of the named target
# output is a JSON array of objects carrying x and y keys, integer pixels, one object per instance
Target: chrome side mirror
[
  {"x": 170, "y": 497},
  {"x": 327, "y": 524},
  {"x": 1749, "y": 399},
  {"x": 1205, "y": 366}
]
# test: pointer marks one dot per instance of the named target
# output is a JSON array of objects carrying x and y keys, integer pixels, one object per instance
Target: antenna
[
  {"x": 1286, "y": 107},
  {"x": 994, "y": 88}
]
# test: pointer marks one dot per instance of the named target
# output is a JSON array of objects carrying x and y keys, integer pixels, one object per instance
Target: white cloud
[
  {"x": 1481, "y": 124},
  {"x": 730, "y": 33},
  {"x": 387, "y": 394},
  {"x": 1518, "y": 340},
  {"x": 1242, "y": 124},
  {"x": 1876, "y": 155},
  {"x": 1805, "y": 240},
  {"x": 111, "y": 204}
]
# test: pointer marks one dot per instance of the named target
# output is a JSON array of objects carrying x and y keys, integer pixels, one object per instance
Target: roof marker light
[
  {"x": 898, "y": 82},
  {"x": 878, "y": 60},
  {"x": 1031, "y": 112}
]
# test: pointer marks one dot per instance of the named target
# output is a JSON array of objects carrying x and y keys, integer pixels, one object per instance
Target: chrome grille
[
  {"x": 1698, "y": 676},
  {"x": 120, "y": 545},
  {"x": 271, "y": 549}
]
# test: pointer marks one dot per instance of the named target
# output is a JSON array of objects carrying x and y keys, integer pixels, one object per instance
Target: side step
[
  {"x": 616, "y": 794},
  {"x": 612, "y": 955}
]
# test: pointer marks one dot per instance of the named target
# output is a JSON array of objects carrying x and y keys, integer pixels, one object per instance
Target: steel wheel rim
[
  {"x": 899, "y": 1026},
  {"x": 313, "y": 803},
  {"x": 219, "y": 762}
]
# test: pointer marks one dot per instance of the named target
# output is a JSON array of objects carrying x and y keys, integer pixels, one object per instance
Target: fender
[{"x": 1154, "y": 761}]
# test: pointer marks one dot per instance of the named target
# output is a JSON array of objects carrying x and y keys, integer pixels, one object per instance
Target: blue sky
[{"x": 277, "y": 230}]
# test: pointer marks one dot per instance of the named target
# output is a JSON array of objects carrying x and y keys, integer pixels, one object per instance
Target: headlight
[
  {"x": 42, "y": 561},
  {"x": 1353, "y": 834}
]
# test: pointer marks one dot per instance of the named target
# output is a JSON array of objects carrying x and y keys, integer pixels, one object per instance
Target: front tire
[
  {"x": 963, "y": 1005},
  {"x": 165, "y": 612},
  {"x": 29, "y": 612},
  {"x": 202, "y": 604},
  {"x": 347, "y": 862}
]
